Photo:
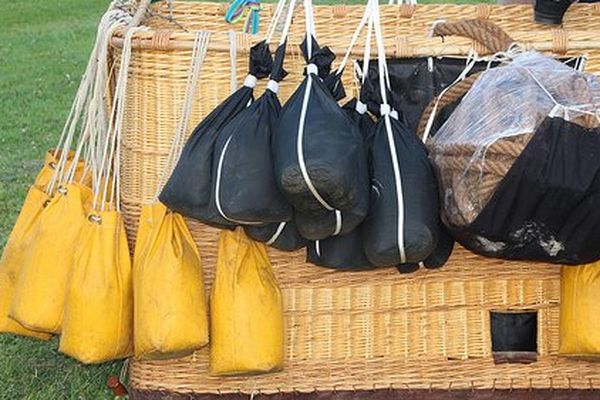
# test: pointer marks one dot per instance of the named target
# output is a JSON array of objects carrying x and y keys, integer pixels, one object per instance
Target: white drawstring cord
[{"x": 385, "y": 111}]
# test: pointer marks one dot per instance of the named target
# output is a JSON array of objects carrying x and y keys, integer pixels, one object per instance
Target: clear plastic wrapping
[{"x": 495, "y": 120}]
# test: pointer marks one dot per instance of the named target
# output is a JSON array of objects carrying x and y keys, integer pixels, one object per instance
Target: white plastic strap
[
  {"x": 218, "y": 188},
  {"x": 361, "y": 107},
  {"x": 390, "y": 136},
  {"x": 288, "y": 22},
  {"x": 299, "y": 143},
  {"x": 277, "y": 233},
  {"x": 580, "y": 108},
  {"x": 310, "y": 28},
  {"x": 338, "y": 222},
  {"x": 273, "y": 86},
  {"x": 275, "y": 20},
  {"x": 365, "y": 18},
  {"x": 312, "y": 69},
  {"x": 250, "y": 81}
]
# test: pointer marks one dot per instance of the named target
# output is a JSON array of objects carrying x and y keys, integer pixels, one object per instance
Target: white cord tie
[
  {"x": 250, "y": 81},
  {"x": 312, "y": 69},
  {"x": 273, "y": 86},
  {"x": 361, "y": 107},
  {"x": 385, "y": 109}
]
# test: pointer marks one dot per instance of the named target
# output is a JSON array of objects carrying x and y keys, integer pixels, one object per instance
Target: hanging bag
[
  {"x": 317, "y": 150},
  {"x": 244, "y": 188},
  {"x": 170, "y": 310},
  {"x": 247, "y": 330},
  {"x": 579, "y": 301},
  {"x": 403, "y": 223},
  {"x": 47, "y": 254},
  {"x": 188, "y": 189},
  {"x": 98, "y": 320},
  {"x": 346, "y": 251}
]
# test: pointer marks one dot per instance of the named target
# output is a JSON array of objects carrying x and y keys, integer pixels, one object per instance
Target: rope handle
[{"x": 485, "y": 32}]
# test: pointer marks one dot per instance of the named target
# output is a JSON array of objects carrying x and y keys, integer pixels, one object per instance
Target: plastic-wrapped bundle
[{"x": 519, "y": 177}]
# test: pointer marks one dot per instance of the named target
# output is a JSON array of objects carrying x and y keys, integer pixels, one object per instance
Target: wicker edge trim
[{"x": 381, "y": 394}]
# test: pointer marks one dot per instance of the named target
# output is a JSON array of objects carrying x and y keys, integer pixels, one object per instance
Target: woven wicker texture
[{"x": 363, "y": 330}]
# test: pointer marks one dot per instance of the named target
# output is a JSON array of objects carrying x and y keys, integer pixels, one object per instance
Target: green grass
[{"x": 44, "y": 46}]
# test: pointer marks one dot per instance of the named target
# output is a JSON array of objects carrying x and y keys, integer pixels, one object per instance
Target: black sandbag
[
  {"x": 330, "y": 145},
  {"x": 244, "y": 189},
  {"x": 188, "y": 189},
  {"x": 339, "y": 252},
  {"x": 419, "y": 203},
  {"x": 546, "y": 206},
  {"x": 283, "y": 236},
  {"x": 344, "y": 250},
  {"x": 442, "y": 251}
]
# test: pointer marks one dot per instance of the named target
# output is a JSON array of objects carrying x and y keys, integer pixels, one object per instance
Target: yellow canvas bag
[
  {"x": 246, "y": 309},
  {"x": 51, "y": 161},
  {"x": 42, "y": 285},
  {"x": 12, "y": 260},
  {"x": 170, "y": 318},
  {"x": 579, "y": 304},
  {"x": 98, "y": 319}
]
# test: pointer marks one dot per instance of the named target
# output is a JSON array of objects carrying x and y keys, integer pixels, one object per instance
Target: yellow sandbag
[
  {"x": 51, "y": 161},
  {"x": 170, "y": 318},
  {"x": 42, "y": 285},
  {"x": 579, "y": 305},
  {"x": 246, "y": 309},
  {"x": 12, "y": 260},
  {"x": 98, "y": 321}
]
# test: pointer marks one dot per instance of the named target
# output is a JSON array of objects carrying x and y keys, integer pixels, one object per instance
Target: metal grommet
[
  {"x": 46, "y": 203},
  {"x": 96, "y": 219},
  {"x": 62, "y": 190},
  {"x": 52, "y": 165}
]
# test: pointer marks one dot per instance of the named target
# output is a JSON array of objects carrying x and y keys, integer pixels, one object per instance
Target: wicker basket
[{"x": 423, "y": 335}]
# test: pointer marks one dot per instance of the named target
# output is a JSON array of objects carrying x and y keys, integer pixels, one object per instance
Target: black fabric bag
[
  {"x": 323, "y": 223},
  {"x": 320, "y": 158},
  {"x": 188, "y": 189},
  {"x": 410, "y": 222},
  {"x": 244, "y": 190},
  {"x": 546, "y": 206},
  {"x": 339, "y": 252},
  {"x": 344, "y": 250},
  {"x": 283, "y": 236}
]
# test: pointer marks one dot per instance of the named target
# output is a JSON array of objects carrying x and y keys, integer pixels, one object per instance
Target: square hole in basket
[{"x": 514, "y": 336}]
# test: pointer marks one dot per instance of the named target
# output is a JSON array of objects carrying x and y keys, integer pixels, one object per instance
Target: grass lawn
[{"x": 44, "y": 46}]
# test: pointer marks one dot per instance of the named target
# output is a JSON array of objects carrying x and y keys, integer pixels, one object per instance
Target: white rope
[
  {"x": 275, "y": 20},
  {"x": 199, "y": 51},
  {"x": 580, "y": 108},
  {"x": 386, "y": 109},
  {"x": 232, "y": 61},
  {"x": 111, "y": 151},
  {"x": 365, "y": 18},
  {"x": 78, "y": 114},
  {"x": 277, "y": 233}
]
